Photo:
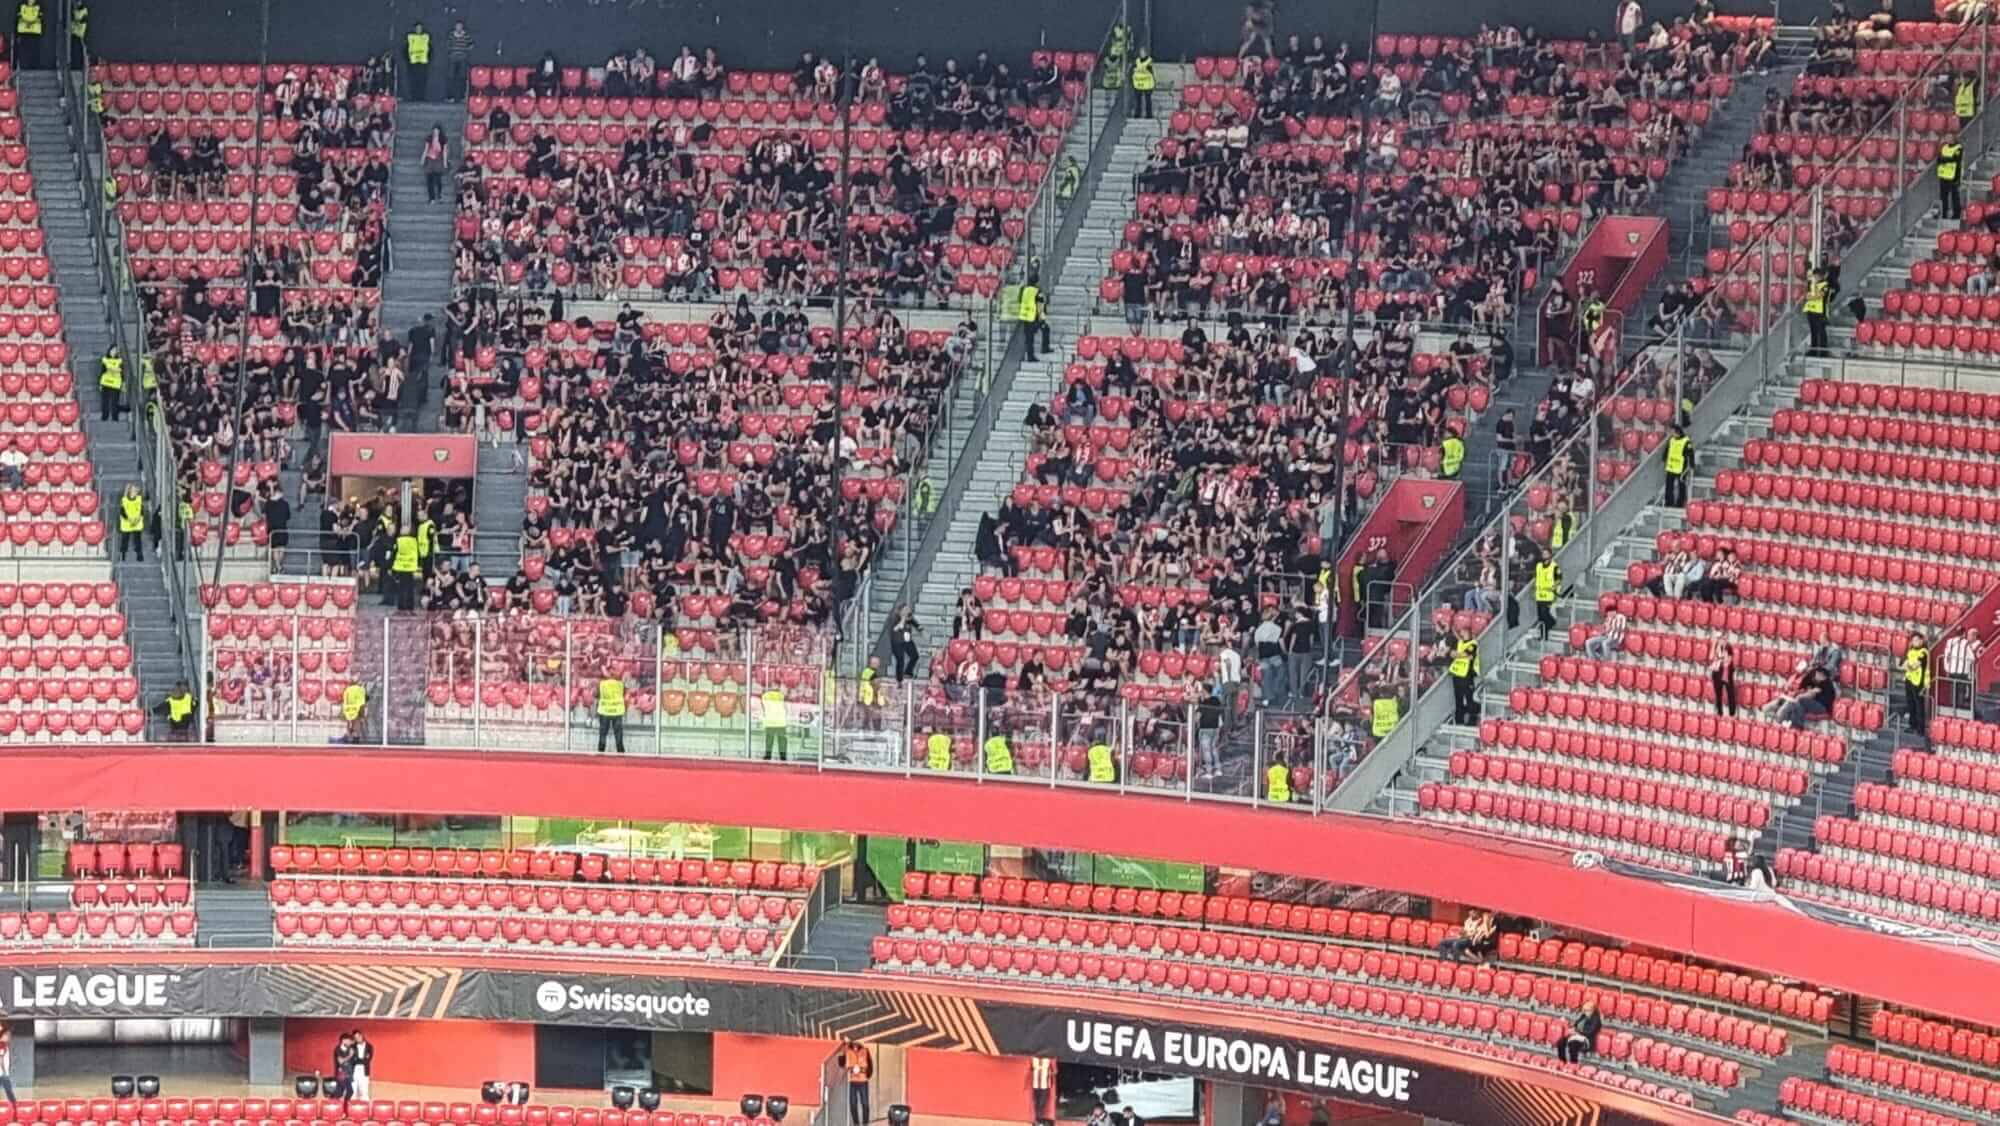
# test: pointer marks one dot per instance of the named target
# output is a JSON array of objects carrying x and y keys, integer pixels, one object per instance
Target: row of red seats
[
  {"x": 570, "y": 899},
  {"x": 1740, "y": 621},
  {"x": 405, "y": 928},
  {"x": 1981, "y": 1096},
  {"x": 1903, "y": 536},
  {"x": 142, "y": 894},
  {"x": 1930, "y": 851},
  {"x": 93, "y": 926},
  {"x": 115, "y": 859},
  {"x": 1125, "y": 941},
  {"x": 1889, "y": 891},
  {"x": 1781, "y": 743},
  {"x": 537, "y": 864},
  {"x": 1633, "y": 679},
  {"x": 1895, "y": 464},
  {"x": 1723, "y": 767},
  {"x": 1689, "y": 801},
  {"x": 1842, "y": 1105},
  {"x": 1668, "y": 845},
  {"x": 1697, "y": 651},
  {"x": 1486, "y": 1020},
  {"x": 1981, "y": 1049}
]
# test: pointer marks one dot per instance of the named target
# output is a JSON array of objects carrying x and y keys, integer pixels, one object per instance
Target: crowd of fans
[
  {"x": 946, "y": 144},
  {"x": 646, "y": 462}
]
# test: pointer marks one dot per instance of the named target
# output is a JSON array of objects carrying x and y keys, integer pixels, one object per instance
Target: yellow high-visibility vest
[
  {"x": 610, "y": 697},
  {"x": 407, "y": 552},
  {"x": 1142, "y": 73},
  {"x": 1677, "y": 454},
  {"x": 1963, "y": 100},
  {"x": 180, "y": 707},
  {"x": 1452, "y": 459},
  {"x": 1101, "y": 769},
  {"x": 999, "y": 756},
  {"x": 1383, "y": 715},
  {"x": 111, "y": 376},
  {"x": 418, "y": 43},
  {"x": 1030, "y": 300},
  {"x": 937, "y": 751},
  {"x": 1949, "y": 155},
  {"x": 774, "y": 708},
  {"x": 1323, "y": 586},
  {"x": 1917, "y": 666},
  {"x": 79, "y": 21},
  {"x": 1278, "y": 783},
  {"x": 148, "y": 378},
  {"x": 352, "y": 701},
  {"x": 1816, "y": 296},
  {"x": 28, "y": 21},
  {"x": 131, "y": 514},
  {"x": 1561, "y": 529},
  {"x": 867, "y": 690},
  {"x": 1546, "y": 577},
  {"x": 1465, "y": 658}
]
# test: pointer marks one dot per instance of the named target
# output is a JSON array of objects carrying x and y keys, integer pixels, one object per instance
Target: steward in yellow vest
[
  {"x": 1465, "y": 681},
  {"x": 28, "y": 35},
  {"x": 1384, "y": 713},
  {"x": 1679, "y": 449},
  {"x": 1278, "y": 782},
  {"x": 111, "y": 386},
  {"x": 1451, "y": 456},
  {"x": 610, "y": 711},
  {"x": 1916, "y": 685},
  {"x": 775, "y": 724},
  {"x": 1142, "y": 84},
  {"x": 1103, "y": 768},
  {"x": 131, "y": 523},
  {"x": 1950, "y": 159},
  {"x": 178, "y": 707},
  {"x": 1548, "y": 584},
  {"x": 937, "y": 752},
  {"x": 999, "y": 756},
  {"x": 417, "y": 54},
  {"x": 353, "y": 704}
]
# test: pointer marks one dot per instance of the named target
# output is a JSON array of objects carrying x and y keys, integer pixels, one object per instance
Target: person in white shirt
[
  {"x": 1228, "y": 683},
  {"x": 1630, "y": 19}
]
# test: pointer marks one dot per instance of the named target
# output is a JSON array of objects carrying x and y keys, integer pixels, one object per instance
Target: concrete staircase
[
  {"x": 418, "y": 280},
  {"x": 842, "y": 937},
  {"x": 951, "y": 570},
  {"x": 61, "y": 176},
  {"x": 231, "y": 917}
]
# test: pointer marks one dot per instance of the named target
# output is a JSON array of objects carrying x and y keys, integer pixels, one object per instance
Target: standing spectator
[
  {"x": 1581, "y": 1039},
  {"x": 417, "y": 54},
  {"x": 1950, "y": 163},
  {"x": 110, "y": 385},
  {"x": 1827, "y": 654},
  {"x": 7, "y": 1062},
  {"x": 28, "y": 35},
  {"x": 1630, "y": 19},
  {"x": 610, "y": 710},
  {"x": 1142, "y": 84},
  {"x": 364, "y": 1067},
  {"x": 1465, "y": 680},
  {"x": 903, "y": 633},
  {"x": 1301, "y": 632},
  {"x": 860, "y": 1068},
  {"x": 458, "y": 48},
  {"x": 277, "y": 522},
  {"x": 1269, "y": 638},
  {"x": 1548, "y": 587},
  {"x": 1041, "y": 1088},
  {"x": 132, "y": 522},
  {"x": 437, "y": 152},
  {"x": 1722, "y": 675},
  {"x": 1916, "y": 684},
  {"x": 1680, "y": 464},
  {"x": 1228, "y": 685}
]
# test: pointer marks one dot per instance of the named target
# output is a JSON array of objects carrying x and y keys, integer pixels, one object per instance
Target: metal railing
[
  {"x": 126, "y": 326},
  {"x": 1618, "y": 483}
]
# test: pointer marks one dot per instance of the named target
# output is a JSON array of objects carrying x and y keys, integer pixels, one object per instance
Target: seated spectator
[
  {"x": 1604, "y": 644},
  {"x": 1581, "y": 1038},
  {"x": 1809, "y": 695},
  {"x": 1477, "y": 935},
  {"x": 1720, "y": 581}
]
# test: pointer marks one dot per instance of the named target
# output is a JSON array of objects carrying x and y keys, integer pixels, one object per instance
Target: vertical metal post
[
  {"x": 748, "y": 641},
  {"x": 1591, "y": 499},
  {"x": 1055, "y": 737},
  {"x": 1193, "y": 748},
  {"x": 203, "y": 684},
  {"x": 479, "y": 682},
  {"x": 909, "y": 730},
  {"x": 1121, "y": 743},
  {"x": 568, "y": 680},
  {"x": 1319, "y": 763},
  {"x": 1764, "y": 289},
  {"x": 1817, "y": 252},
  {"x": 295, "y": 681},
  {"x": 1416, "y": 639},
  {"x": 1902, "y": 140},
  {"x": 382, "y": 708},
  {"x": 979, "y": 736}
]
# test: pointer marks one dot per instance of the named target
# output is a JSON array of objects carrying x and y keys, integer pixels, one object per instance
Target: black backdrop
[{"x": 767, "y": 33}]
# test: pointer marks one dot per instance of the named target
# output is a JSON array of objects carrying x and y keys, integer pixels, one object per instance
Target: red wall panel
[
  {"x": 456, "y": 1053},
  {"x": 963, "y": 1085},
  {"x": 769, "y": 1065}
]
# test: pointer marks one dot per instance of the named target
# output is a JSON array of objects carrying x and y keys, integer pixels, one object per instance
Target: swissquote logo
[
  {"x": 554, "y": 997},
  {"x": 85, "y": 992}
]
